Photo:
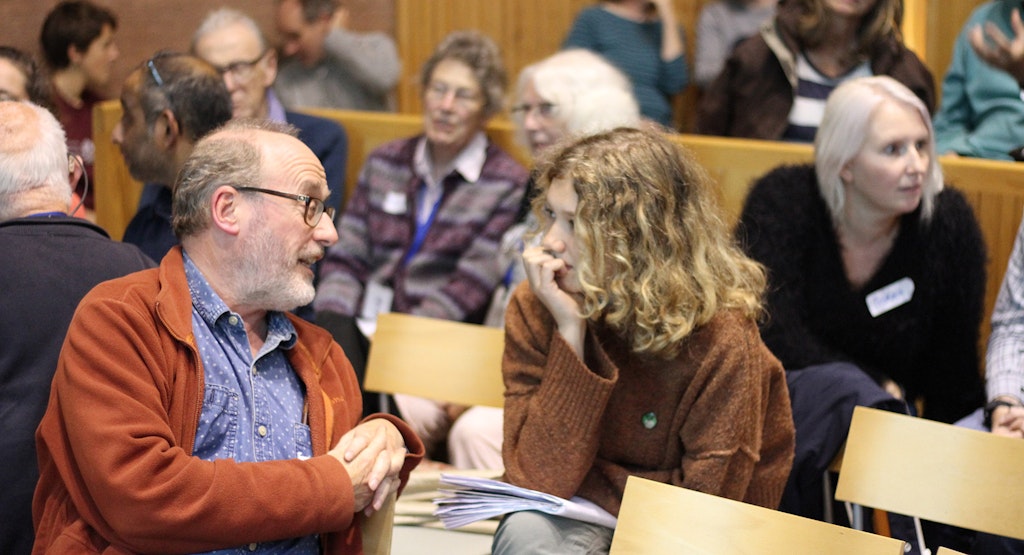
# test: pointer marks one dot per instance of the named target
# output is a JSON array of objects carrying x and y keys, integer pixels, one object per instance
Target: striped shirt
[{"x": 809, "y": 98}]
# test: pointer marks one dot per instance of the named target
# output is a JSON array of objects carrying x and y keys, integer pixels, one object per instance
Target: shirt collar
[
  {"x": 275, "y": 110},
  {"x": 215, "y": 312},
  {"x": 469, "y": 163}
]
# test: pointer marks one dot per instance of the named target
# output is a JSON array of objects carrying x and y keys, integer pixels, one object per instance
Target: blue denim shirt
[{"x": 253, "y": 408}]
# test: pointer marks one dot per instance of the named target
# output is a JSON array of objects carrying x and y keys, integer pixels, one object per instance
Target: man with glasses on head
[
  {"x": 190, "y": 411},
  {"x": 168, "y": 103},
  {"x": 234, "y": 44},
  {"x": 422, "y": 231},
  {"x": 48, "y": 262}
]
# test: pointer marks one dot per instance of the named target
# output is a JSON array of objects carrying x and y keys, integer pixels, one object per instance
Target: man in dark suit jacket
[
  {"x": 48, "y": 262},
  {"x": 233, "y": 43}
]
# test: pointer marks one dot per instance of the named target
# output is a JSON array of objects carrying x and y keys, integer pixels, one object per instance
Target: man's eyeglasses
[
  {"x": 315, "y": 208},
  {"x": 155, "y": 73},
  {"x": 242, "y": 71},
  {"x": 543, "y": 110}
]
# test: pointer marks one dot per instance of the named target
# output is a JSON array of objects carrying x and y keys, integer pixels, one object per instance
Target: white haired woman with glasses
[{"x": 876, "y": 275}]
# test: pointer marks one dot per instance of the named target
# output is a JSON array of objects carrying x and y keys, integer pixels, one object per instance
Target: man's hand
[
  {"x": 1000, "y": 51},
  {"x": 373, "y": 454}
]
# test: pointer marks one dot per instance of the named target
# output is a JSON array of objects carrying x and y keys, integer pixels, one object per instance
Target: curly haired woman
[{"x": 633, "y": 347}]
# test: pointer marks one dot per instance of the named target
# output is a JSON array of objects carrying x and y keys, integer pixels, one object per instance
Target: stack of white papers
[{"x": 471, "y": 499}]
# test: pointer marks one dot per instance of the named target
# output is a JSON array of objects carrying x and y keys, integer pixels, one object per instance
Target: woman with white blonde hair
[
  {"x": 573, "y": 92},
  {"x": 876, "y": 275}
]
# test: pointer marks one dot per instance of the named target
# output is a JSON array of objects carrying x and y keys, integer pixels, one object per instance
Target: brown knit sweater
[{"x": 721, "y": 417}]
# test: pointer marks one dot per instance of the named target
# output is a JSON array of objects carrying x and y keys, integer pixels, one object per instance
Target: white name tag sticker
[
  {"x": 376, "y": 299},
  {"x": 897, "y": 293},
  {"x": 394, "y": 203}
]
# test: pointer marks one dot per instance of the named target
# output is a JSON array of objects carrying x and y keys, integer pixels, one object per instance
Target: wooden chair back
[
  {"x": 436, "y": 359},
  {"x": 377, "y": 530},
  {"x": 935, "y": 471},
  {"x": 660, "y": 519}
]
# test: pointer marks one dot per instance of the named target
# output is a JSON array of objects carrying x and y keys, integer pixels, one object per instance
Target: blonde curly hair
[{"x": 656, "y": 260}]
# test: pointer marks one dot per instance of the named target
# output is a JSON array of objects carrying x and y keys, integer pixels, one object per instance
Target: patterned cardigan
[{"x": 454, "y": 272}]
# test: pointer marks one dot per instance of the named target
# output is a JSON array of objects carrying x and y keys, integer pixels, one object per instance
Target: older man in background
[{"x": 234, "y": 44}]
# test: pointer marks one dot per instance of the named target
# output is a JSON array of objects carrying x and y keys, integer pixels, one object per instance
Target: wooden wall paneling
[{"x": 943, "y": 21}]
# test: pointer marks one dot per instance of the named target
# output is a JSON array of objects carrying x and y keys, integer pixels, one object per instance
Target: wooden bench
[{"x": 995, "y": 189}]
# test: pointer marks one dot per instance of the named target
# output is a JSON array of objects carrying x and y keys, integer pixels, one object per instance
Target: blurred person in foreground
[{"x": 49, "y": 260}]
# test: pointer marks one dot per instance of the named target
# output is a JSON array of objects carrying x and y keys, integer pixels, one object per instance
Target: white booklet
[{"x": 471, "y": 499}]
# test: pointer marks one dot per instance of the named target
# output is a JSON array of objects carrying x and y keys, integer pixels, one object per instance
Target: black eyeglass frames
[{"x": 315, "y": 208}]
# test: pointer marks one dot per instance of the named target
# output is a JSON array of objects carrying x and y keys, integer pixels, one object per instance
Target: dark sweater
[
  {"x": 47, "y": 264},
  {"x": 722, "y": 421},
  {"x": 928, "y": 345}
]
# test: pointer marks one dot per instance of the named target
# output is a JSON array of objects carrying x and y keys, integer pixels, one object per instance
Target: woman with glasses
[
  {"x": 421, "y": 232},
  {"x": 633, "y": 349}
]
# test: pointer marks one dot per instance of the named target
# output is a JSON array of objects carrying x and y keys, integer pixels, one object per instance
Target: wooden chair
[
  {"x": 377, "y": 530},
  {"x": 948, "y": 551},
  {"x": 658, "y": 518},
  {"x": 436, "y": 359},
  {"x": 441, "y": 360},
  {"x": 934, "y": 471}
]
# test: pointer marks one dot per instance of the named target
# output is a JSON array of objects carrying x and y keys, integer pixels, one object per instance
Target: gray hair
[
  {"x": 591, "y": 95},
  {"x": 227, "y": 156},
  {"x": 482, "y": 56},
  {"x": 224, "y": 17},
  {"x": 845, "y": 127},
  {"x": 33, "y": 155}
]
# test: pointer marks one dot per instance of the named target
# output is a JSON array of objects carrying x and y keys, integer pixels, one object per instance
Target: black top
[
  {"x": 928, "y": 345},
  {"x": 47, "y": 264}
]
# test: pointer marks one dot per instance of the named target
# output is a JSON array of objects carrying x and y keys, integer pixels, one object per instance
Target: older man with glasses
[
  {"x": 234, "y": 44},
  {"x": 190, "y": 411},
  {"x": 168, "y": 103}
]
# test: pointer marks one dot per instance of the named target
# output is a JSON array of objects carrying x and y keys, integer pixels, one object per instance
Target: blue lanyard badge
[{"x": 424, "y": 227}]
